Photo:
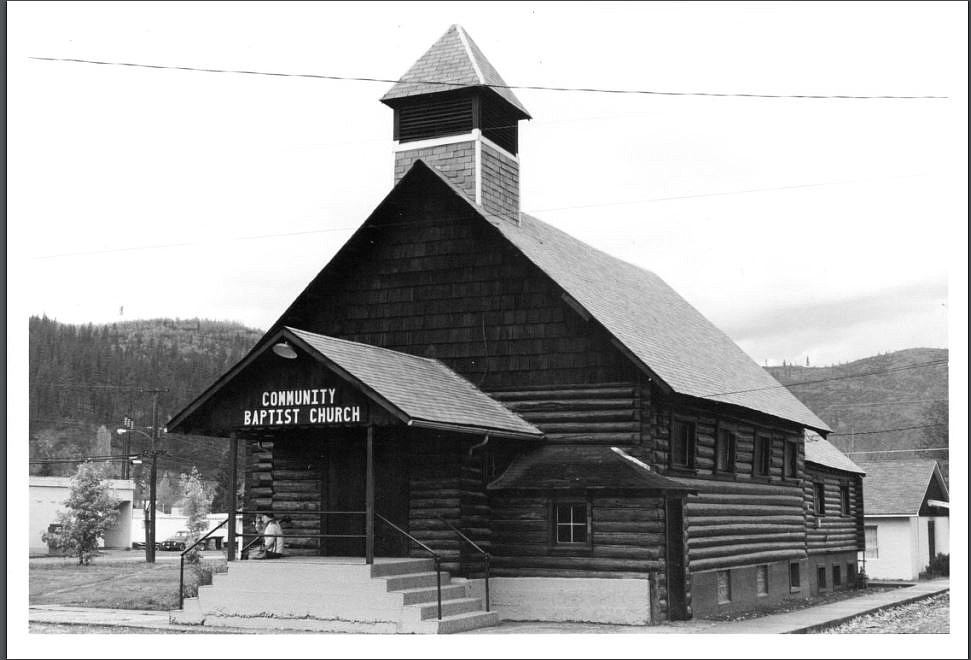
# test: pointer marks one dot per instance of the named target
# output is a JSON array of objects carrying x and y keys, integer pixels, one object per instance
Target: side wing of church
[{"x": 467, "y": 385}]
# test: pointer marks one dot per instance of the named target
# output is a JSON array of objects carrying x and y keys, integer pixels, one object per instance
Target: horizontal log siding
[
  {"x": 579, "y": 414},
  {"x": 735, "y": 519},
  {"x": 627, "y": 538},
  {"x": 297, "y": 487},
  {"x": 448, "y": 286},
  {"x": 258, "y": 484},
  {"x": 833, "y": 532}
]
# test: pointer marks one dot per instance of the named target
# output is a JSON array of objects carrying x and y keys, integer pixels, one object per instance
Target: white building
[
  {"x": 905, "y": 517},
  {"x": 47, "y": 498}
]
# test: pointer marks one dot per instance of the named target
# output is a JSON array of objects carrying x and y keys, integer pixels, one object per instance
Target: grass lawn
[{"x": 123, "y": 585}]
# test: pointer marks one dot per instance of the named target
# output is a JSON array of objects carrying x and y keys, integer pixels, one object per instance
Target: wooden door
[
  {"x": 676, "y": 575},
  {"x": 344, "y": 490},
  {"x": 391, "y": 492}
]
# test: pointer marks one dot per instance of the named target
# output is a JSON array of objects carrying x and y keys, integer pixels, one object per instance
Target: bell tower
[{"x": 453, "y": 110}]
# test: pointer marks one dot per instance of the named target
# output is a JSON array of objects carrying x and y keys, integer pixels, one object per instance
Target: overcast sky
[{"x": 804, "y": 228}]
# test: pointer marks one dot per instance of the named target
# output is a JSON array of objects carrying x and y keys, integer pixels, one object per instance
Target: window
[
  {"x": 724, "y": 586},
  {"x": 794, "y": 576},
  {"x": 845, "y": 499},
  {"x": 790, "y": 460},
  {"x": 837, "y": 576},
  {"x": 762, "y": 580},
  {"x": 725, "y": 451},
  {"x": 821, "y": 576},
  {"x": 762, "y": 459},
  {"x": 682, "y": 445},
  {"x": 872, "y": 549},
  {"x": 819, "y": 498},
  {"x": 570, "y": 523}
]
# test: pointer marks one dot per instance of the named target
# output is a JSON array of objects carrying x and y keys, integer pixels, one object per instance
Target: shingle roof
[
  {"x": 897, "y": 487},
  {"x": 822, "y": 452},
  {"x": 580, "y": 467},
  {"x": 454, "y": 59},
  {"x": 422, "y": 388},
  {"x": 659, "y": 327}
]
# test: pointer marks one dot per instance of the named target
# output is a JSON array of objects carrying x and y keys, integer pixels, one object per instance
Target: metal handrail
[
  {"x": 435, "y": 556},
  {"x": 182, "y": 559},
  {"x": 486, "y": 557}
]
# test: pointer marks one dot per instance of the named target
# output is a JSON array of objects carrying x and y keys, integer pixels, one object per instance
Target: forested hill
[
  {"x": 906, "y": 389},
  {"x": 83, "y": 377}
]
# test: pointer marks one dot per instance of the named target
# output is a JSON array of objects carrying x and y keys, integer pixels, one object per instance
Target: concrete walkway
[{"x": 800, "y": 621}]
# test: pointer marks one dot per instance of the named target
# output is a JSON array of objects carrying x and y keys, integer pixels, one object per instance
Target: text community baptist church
[{"x": 469, "y": 415}]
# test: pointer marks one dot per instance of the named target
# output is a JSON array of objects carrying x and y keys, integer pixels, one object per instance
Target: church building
[{"x": 469, "y": 415}]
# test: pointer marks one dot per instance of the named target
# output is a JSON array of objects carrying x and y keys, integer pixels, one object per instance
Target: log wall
[{"x": 833, "y": 531}]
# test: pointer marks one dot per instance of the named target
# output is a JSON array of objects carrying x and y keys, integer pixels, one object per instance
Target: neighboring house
[
  {"x": 47, "y": 498},
  {"x": 459, "y": 362},
  {"x": 906, "y": 506},
  {"x": 834, "y": 496}
]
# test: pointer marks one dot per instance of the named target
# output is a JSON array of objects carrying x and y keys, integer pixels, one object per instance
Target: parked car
[
  {"x": 177, "y": 541},
  {"x": 138, "y": 545}
]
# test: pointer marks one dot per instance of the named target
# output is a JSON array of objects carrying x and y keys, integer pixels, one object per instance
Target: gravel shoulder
[{"x": 927, "y": 616}]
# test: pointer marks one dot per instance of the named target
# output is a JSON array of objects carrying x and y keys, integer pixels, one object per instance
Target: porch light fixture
[{"x": 284, "y": 350}]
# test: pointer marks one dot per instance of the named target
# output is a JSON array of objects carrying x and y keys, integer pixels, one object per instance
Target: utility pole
[{"x": 153, "y": 483}]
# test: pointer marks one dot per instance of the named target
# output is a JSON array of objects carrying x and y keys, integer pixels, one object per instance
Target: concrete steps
[{"x": 315, "y": 594}]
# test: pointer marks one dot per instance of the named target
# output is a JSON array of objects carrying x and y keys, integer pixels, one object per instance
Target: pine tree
[
  {"x": 91, "y": 512},
  {"x": 195, "y": 506}
]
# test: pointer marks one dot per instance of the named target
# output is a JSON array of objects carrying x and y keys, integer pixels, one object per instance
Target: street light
[{"x": 153, "y": 479}]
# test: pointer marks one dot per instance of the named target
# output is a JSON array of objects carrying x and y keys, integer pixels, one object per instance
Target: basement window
[
  {"x": 837, "y": 576},
  {"x": 821, "y": 577},
  {"x": 682, "y": 445},
  {"x": 571, "y": 524},
  {"x": 794, "y": 584},
  {"x": 762, "y": 580},
  {"x": 725, "y": 451},
  {"x": 724, "y": 586}
]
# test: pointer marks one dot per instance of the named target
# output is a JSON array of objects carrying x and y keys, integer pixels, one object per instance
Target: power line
[
  {"x": 898, "y": 451},
  {"x": 899, "y": 428},
  {"x": 446, "y": 84},
  {"x": 880, "y": 403},
  {"x": 826, "y": 380}
]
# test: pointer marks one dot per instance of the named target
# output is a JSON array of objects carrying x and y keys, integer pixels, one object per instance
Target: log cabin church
[{"x": 469, "y": 415}]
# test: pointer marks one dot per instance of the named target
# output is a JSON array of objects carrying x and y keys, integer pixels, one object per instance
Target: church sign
[{"x": 293, "y": 407}]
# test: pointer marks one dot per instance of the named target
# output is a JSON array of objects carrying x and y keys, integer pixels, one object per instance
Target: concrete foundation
[{"x": 589, "y": 600}]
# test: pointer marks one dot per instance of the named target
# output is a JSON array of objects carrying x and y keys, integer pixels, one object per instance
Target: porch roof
[
  {"x": 582, "y": 467},
  {"x": 420, "y": 392}
]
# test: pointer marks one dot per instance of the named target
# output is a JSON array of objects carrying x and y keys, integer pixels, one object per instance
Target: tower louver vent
[{"x": 434, "y": 117}]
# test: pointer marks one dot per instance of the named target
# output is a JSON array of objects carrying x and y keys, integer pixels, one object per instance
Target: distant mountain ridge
[
  {"x": 907, "y": 389},
  {"x": 82, "y": 377}
]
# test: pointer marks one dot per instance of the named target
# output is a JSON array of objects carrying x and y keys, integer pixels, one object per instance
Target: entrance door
[
  {"x": 677, "y": 597},
  {"x": 931, "y": 545},
  {"x": 344, "y": 490}
]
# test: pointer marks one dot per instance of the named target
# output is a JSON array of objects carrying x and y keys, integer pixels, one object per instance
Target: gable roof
[
  {"x": 421, "y": 392},
  {"x": 557, "y": 467},
  {"x": 453, "y": 62},
  {"x": 899, "y": 487},
  {"x": 823, "y": 452},
  {"x": 658, "y": 328}
]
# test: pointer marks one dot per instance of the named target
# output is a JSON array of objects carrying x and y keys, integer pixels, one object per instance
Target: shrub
[{"x": 940, "y": 565}]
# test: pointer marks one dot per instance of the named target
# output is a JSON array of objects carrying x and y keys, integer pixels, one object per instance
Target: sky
[
  {"x": 820, "y": 229},
  {"x": 811, "y": 229}
]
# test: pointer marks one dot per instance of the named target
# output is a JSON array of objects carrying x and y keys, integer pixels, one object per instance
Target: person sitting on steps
[{"x": 272, "y": 538}]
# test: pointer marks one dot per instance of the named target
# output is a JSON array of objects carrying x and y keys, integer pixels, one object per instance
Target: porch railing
[
  {"x": 437, "y": 557},
  {"x": 486, "y": 557}
]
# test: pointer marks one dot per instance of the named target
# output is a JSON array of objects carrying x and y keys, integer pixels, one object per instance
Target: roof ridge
[
  {"x": 360, "y": 343},
  {"x": 468, "y": 51}
]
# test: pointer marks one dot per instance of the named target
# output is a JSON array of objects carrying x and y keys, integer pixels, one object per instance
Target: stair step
[
  {"x": 466, "y": 621},
  {"x": 450, "y": 607},
  {"x": 415, "y": 580},
  {"x": 421, "y": 595},
  {"x": 385, "y": 569}
]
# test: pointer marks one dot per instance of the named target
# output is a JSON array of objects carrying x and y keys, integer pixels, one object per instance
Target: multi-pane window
[
  {"x": 762, "y": 460},
  {"x": 725, "y": 451},
  {"x": 794, "y": 576},
  {"x": 790, "y": 462},
  {"x": 762, "y": 580},
  {"x": 872, "y": 549},
  {"x": 724, "y": 586},
  {"x": 845, "y": 499},
  {"x": 571, "y": 523},
  {"x": 819, "y": 498},
  {"x": 682, "y": 444}
]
